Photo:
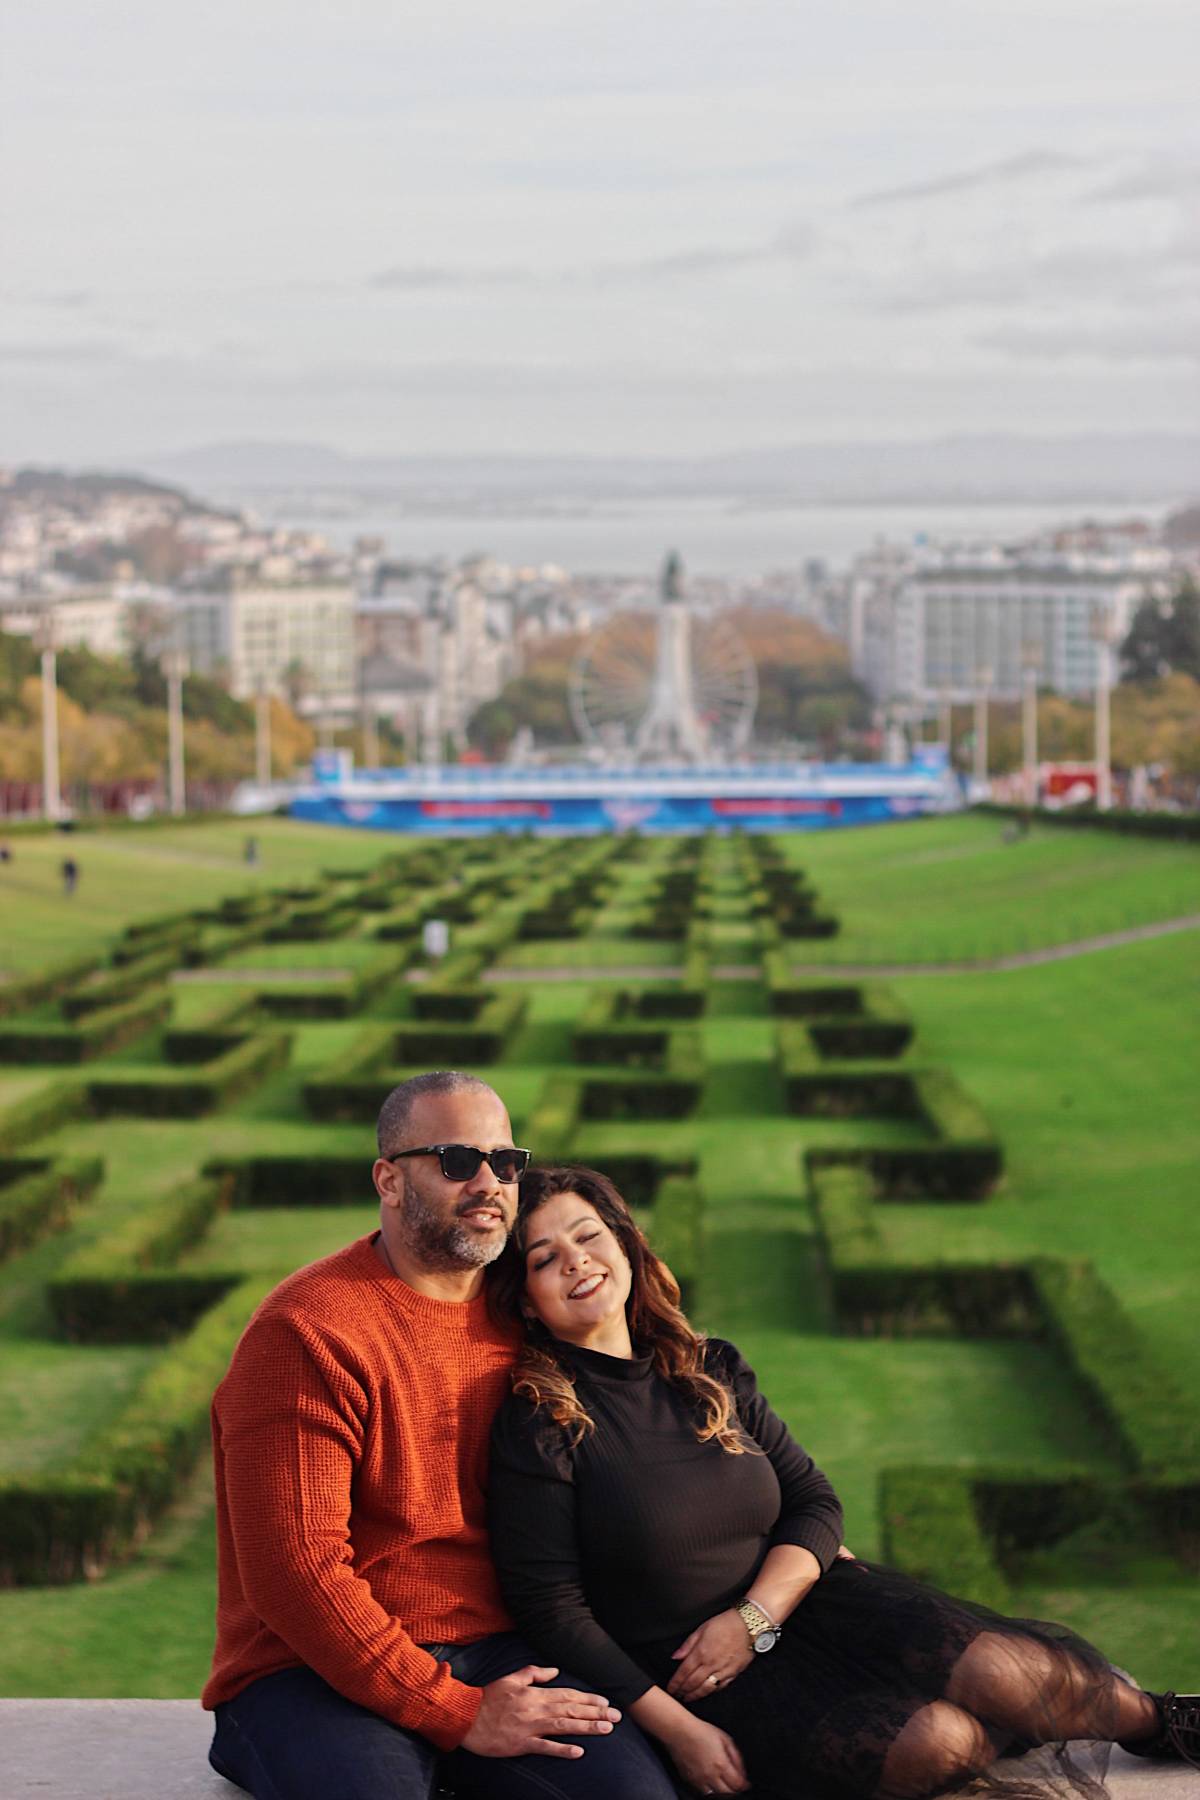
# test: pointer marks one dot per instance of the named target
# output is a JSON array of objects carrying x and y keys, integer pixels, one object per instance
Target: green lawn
[
  {"x": 126, "y": 875},
  {"x": 952, "y": 889},
  {"x": 1086, "y": 1069}
]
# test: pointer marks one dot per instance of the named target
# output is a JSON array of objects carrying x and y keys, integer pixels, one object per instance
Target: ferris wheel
[{"x": 656, "y": 686}]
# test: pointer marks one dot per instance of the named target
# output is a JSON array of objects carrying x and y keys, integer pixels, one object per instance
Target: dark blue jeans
[{"x": 291, "y": 1736}]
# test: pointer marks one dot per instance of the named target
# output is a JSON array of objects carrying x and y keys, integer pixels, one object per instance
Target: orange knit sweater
[{"x": 350, "y": 1437}]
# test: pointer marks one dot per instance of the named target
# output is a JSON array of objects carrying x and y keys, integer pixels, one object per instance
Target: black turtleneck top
[{"x": 610, "y": 1553}]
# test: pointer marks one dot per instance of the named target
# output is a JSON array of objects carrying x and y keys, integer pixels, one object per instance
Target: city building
[
  {"x": 937, "y": 625},
  {"x": 297, "y": 642}
]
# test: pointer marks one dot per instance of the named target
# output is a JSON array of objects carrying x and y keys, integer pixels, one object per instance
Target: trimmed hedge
[
  {"x": 210, "y": 1034},
  {"x": 964, "y": 1164},
  {"x": 672, "y": 1093},
  {"x": 931, "y": 1529},
  {"x": 309, "y": 1180},
  {"x": 335, "y": 999},
  {"x": 355, "y": 1085},
  {"x": 483, "y": 1040},
  {"x": 1156, "y": 1421},
  {"x": 108, "y": 1028},
  {"x": 172, "y": 932},
  {"x": 41, "y": 1112},
  {"x": 312, "y": 923},
  {"x": 16, "y": 996},
  {"x": 67, "y": 1523},
  {"x": 843, "y": 1019},
  {"x": 609, "y": 1030},
  {"x": 171, "y": 1095},
  {"x": 120, "y": 984},
  {"x": 677, "y": 1231},
  {"x": 1182, "y": 827},
  {"x": 122, "y": 1289},
  {"x": 554, "y": 1119},
  {"x": 38, "y": 1197},
  {"x": 876, "y": 1296}
]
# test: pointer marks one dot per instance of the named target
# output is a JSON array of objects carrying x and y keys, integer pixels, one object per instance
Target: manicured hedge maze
[{"x": 636, "y": 1063}]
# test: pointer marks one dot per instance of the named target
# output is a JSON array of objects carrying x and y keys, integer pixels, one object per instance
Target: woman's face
[{"x": 577, "y": 1277}]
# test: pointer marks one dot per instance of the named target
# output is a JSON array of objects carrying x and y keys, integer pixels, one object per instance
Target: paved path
[
  {"x": 1025, "y": 959},
  {"x": 157, "y": 1750}
]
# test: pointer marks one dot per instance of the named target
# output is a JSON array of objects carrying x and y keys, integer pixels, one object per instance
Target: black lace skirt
[{"x": 815, "y": 1718}]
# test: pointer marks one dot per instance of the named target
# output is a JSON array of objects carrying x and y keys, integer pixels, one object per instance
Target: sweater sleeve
[
  {"x": 288, "y": 1426},
  {"x": 810, "y": 1513},
  {"x": 531, "y": 1517}
]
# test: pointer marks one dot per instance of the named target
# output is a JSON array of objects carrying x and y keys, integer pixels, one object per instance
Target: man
[{"x": 360, "y": 1630}]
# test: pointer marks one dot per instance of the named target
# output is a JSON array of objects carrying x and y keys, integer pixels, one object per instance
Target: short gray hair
[{"x": 396, "y": 1112}]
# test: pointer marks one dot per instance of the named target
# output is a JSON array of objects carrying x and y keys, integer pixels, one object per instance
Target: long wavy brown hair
[{"x": 656, "y": 1321}]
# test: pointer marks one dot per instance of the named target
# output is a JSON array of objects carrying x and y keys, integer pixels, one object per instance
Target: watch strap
[{"x": 755, "y": 1618}]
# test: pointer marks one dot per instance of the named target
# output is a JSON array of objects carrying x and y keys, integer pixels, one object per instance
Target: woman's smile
[{"x": 577, "y": 1277}]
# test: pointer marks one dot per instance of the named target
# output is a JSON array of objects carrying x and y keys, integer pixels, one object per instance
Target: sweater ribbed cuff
[
  {"x": 447, "y": 1722},
  {"x": 809, "y": 1534}
]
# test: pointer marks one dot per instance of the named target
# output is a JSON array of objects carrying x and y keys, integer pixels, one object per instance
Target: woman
[{"x": 658, "y": 1531}]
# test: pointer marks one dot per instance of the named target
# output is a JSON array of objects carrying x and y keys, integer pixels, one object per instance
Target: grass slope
[{"x": 1084, "y": 1067}]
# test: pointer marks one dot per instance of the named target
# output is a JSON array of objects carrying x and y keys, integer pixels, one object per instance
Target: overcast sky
[{"x": 632, "y": 226}]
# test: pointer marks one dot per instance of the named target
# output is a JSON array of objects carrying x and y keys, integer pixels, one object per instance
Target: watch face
[{"x": 765, "y": 1640}]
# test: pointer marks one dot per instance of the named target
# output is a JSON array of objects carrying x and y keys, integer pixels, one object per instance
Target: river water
[{"x": 714, "y": 537}]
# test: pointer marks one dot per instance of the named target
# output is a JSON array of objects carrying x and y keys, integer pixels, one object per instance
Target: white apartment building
[
  {"x": 928, "y": 631},
  {"x": 97, "y": 622},
  {"x": 283, "y": 639}
]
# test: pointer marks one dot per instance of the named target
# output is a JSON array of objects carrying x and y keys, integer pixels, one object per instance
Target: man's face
[{"x": 446, "y": 1225}]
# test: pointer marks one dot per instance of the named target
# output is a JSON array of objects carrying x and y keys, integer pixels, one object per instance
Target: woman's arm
[
  {"x": 810, "y": 1513},
  {"x": 804, "y": 1540},
  {"x": 531, "y": 1516}
]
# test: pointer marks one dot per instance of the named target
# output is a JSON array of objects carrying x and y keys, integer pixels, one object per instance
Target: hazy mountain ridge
[{"x": 1121, "y": 467}]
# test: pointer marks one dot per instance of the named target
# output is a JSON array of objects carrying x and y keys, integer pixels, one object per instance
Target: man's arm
[
  {"x": 289, "y": 1432},
  {"x": 290, "y": 1424}
]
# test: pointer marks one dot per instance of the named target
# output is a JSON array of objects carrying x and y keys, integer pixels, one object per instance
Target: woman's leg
[
  {"x": 1042, "y": 1693},
  {"x": 940, "y": 1748}
]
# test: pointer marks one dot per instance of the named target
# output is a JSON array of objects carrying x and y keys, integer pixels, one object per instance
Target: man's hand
[
  {"x": 519, "y": 1718},
  {"x": 711, "y": 1656}
]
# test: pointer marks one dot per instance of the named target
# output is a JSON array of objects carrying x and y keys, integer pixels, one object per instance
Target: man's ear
[{"x": 389, "y": 1182}]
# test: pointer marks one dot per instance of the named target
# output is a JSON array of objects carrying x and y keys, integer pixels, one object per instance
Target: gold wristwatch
[{"x": 764, "y": 1632}]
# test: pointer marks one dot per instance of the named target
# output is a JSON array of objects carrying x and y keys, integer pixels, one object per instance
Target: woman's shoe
[{"x": 1178, "y": 1736}]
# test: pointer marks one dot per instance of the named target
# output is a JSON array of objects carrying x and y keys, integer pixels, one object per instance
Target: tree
[
  {"x": 1144, "y": 652},
  {"x": 1183, "y": 630},
  {"x": 1164, "y": 636}
]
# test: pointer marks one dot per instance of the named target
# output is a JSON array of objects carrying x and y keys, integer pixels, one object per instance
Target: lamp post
[
  {"x": 1103, "y": 632},
  {"x": 175, "y": 668},
  {"x": 51, "y": 791},
  {"x": 262, "y": 733},
  {"x": 983, "y": 682},
  {"x": 1031, "y": 658}
]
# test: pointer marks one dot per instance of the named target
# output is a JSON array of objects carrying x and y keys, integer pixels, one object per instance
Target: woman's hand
[
  {"x": 711, "y": 1656},
  {"x": 708, "y": 1759}
]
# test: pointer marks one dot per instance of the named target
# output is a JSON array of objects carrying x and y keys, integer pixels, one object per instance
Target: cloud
[
  {"x": 420, "y": 278},
  {"x": 1136, "y": 342},
  {"x": 1012, "y": 168},
  {"x": 1153, "y": 181},
  {"x": 82, "y": 351},
  {"x": 794, "y": 242}
]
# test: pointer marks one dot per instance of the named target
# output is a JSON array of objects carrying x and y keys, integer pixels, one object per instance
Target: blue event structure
[{"x": 577, "y": 800}]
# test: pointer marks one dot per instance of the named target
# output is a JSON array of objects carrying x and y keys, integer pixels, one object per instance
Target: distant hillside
[{"x": 81, "y": 491}]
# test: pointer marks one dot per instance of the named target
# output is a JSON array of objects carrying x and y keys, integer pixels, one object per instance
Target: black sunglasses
[{"x": 461, "y": 1161}]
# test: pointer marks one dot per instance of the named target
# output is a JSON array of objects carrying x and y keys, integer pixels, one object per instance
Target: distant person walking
[
  {"x": 250, "y": 852},
  {"x": 70, "y": 875}
]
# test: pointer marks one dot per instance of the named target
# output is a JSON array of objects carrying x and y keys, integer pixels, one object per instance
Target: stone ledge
[{"x": 157, "y": 1750}]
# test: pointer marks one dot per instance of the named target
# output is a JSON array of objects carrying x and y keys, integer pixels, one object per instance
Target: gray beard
[{"x": 442, "y": 1246}]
